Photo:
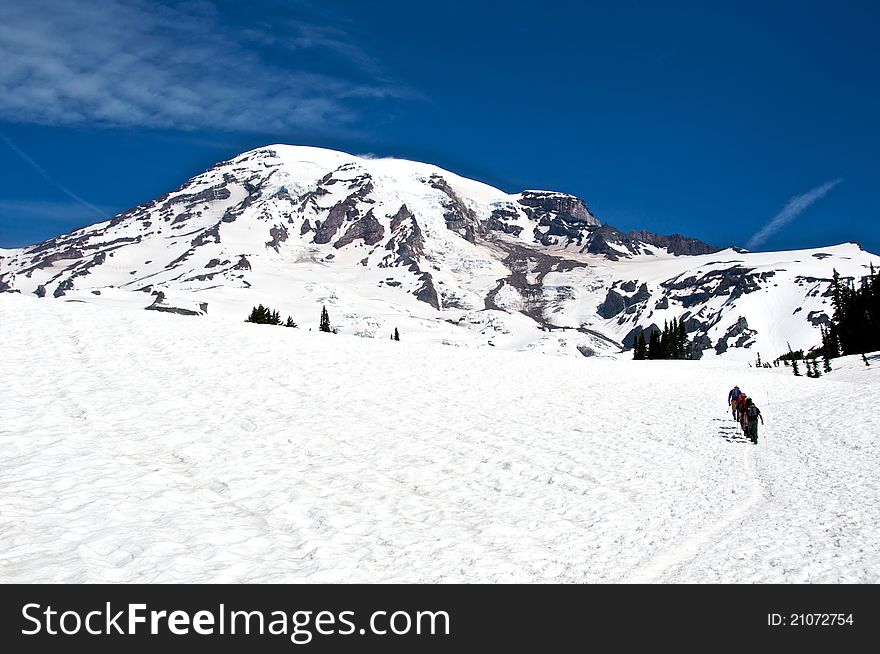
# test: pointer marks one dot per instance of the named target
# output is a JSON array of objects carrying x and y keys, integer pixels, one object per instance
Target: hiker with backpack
[
  {"x": 739, "y": 407},
  {"x": 751, "y": 415},
  {"x": 732, "y": 397}
]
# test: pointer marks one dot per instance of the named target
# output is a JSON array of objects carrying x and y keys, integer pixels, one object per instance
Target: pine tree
[
  {"x": 794, "y": 368},
  {"x": 865, "y": 359},
  {"x": 639, "y": 347},
  {"x": 666, "y": 342},
  {"x": 642, "y": 346},
  {"x": 759, "y": 364},
  {"x": 654, "y": 345},
  {"x": 396, "y": 334},
  {"x": 290, "y": 322},
  {"x": 816, "y": 372},
  {"x": 683, "y": 345},
  {"x": 324, "y": 325}
]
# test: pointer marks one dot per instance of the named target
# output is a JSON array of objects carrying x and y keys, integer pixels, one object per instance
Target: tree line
[
  {"x": 265, "y": 316},
  {"x": 671, "y": 343},
  {"x": 855, "y": 323}
]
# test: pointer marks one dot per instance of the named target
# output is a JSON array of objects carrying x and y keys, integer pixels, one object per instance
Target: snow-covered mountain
[{"x": 387, "y": 243}]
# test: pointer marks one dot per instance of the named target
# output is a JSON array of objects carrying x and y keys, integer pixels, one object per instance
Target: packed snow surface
[{"x": 146, "y": 447}]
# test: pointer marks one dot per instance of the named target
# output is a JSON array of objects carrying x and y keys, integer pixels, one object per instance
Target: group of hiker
[{"x": 745, "y": 412}]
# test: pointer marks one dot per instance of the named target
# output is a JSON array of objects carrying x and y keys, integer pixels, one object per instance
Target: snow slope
[{"x": 144, "y": 446}]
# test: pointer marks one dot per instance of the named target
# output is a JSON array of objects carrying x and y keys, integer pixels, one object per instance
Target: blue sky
[{"x": 738, "y": 123}]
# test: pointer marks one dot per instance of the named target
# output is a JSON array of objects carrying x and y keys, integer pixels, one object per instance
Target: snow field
[{"x": 149, "y": 447}]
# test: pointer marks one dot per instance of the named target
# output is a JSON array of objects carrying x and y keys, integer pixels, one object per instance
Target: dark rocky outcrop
[
  {"x": 699, "y": 343},
  {"x": 459, "y": 218},
  {"x": 675, "y": 243},
  {"x": 367, "y": 228},
  {"x": 632, "y": 336},
  {"x": 570, "y": 209},
  {"x": 279, "y": 235},
  {"x": 615, "y": 302},
  {"x": 524, "y": 262},
  {"x": 739, "y": 331},
  {"x": 63, "y": 287},
  {"x": 210, "y": 235},
  {"x": 498, "y": 222},
  {"x": 818, "y": 318}
]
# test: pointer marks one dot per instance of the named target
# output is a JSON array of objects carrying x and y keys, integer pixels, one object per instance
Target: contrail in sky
[
  {"x": 45, "y": 175},
  {"x": 795, "y": 207}
]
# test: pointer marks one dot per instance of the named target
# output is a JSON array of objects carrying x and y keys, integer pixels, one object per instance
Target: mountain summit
[{"x": 389, "y": 243}]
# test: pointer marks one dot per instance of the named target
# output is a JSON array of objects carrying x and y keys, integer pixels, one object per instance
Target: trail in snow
[
  {"x": 673, "y": 562},
  {"x": 143, "y": 447}
]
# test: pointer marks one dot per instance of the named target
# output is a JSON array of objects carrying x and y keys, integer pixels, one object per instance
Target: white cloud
[
  {"x": 795, "y": 207},
  {"x": 137, "y": 63}
]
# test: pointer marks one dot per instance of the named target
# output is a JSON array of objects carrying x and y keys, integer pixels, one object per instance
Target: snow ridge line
[{"x": 667, "y": 565}]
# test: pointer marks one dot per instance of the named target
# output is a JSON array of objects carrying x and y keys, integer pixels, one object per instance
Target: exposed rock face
[
  {"x": 367, "y": 228},
  {"x": 458, "y": 216},
  {"x": 739, "y": 331},
  {"x": 324, "y": 231},
  {"x": 346, "y": 210},
  {"x": 732, "y": 283},
  {"x": 498, "y": 222},
  {"x": 698, "y": 344},
  {"x": 615, "y": 302},
  {"x": 407, "y": 245},
  {"x": 569, "y": 209},
  {"x": 629, "y": 341},
  {"x": 528, "y": 268},
  {"x": 211, "y": 235},
  {"x": 279, "y": 235},
  {"x": 675, "y": 243},
  {"x": 63, "y": 287},
  {"x": 158, "y": 305},
  {"x": 818, "y": 318}
]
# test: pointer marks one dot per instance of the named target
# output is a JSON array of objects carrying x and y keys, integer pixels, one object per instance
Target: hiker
[
  {"x": 732, "y": 397},
  {"x": 740, "y": 407},
  {"x": 750, "y": 420}
]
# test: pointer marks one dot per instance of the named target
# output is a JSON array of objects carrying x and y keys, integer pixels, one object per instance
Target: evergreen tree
[
  {"x": 640, "y": 349},
  {"x": 290, "y": 322},
  {"x": 324, "y": 325},
  {"x": 816, "y": 372},
  {"x": 683, "y": 345},
  {"x": 865, "y": 359},
  {"x": 654, "y": 345},
  {"x": 759, "y": 364},
  {"x": 396, "y": 334},
  {"x": 794, "y": 368},
  {"x": 667, "y": 347},
  {"x": 856, "y": 317},
  {"x": 642, "y": 346}
]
